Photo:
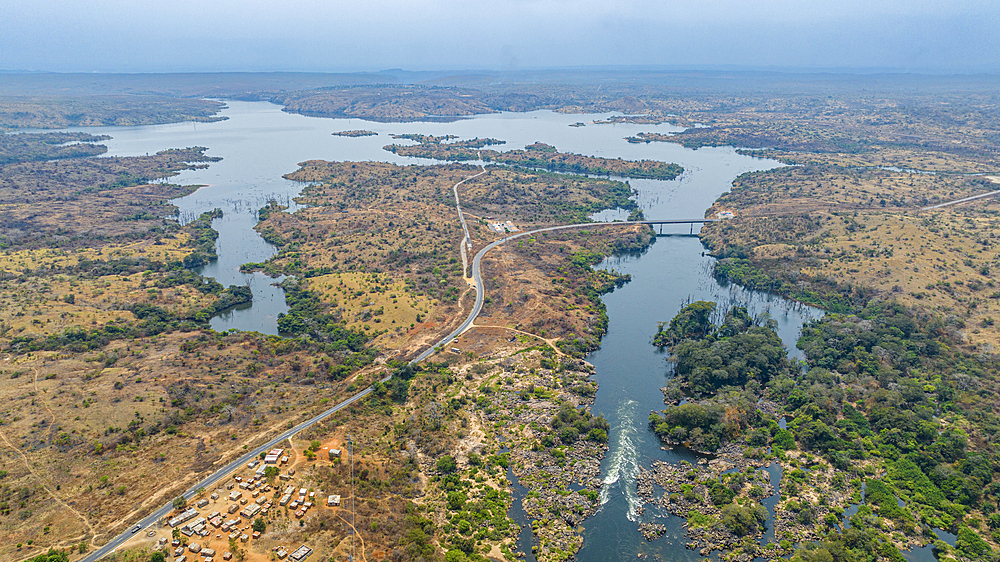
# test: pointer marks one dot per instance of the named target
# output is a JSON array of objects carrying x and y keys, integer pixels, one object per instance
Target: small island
[
  {"x": 424, "y": 139},
  {"x": 650, "y": 137},
  {"x": 632, "y": 120},
  {"x": 537, "y": 156},
  {"x": 355, "y": 133}
]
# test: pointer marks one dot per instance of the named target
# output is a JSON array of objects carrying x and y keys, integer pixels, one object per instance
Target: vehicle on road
[{"x": 136, "y": 529}]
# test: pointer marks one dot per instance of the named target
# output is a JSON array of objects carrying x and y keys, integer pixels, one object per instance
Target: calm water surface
[{"x": 259, "y": 143}]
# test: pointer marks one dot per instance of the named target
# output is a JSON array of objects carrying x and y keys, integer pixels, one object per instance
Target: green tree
[
  {"x": 180, "y": 503},
  {"x": 742, "y": 521},
  {"x": 971, "y": 544},
  {"x": 721, "y": 494},
  {"x": 271, "y": 473},
  {"x": 456, "y": 500},
  {"x": 259, "y": 525},
  {"x": 693, "y": 321},
  {"x": 447, "y": 464}
]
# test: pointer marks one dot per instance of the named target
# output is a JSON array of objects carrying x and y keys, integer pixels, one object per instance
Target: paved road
[
  {"x": 477, "y": 262},
  {"x": 466, "y": 243},
  {"x": 980, "y": 196},
  {"x": 223, "y": 472}
]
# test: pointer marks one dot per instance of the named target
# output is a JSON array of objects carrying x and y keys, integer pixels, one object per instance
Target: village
[{"x": 228, "y": 523}]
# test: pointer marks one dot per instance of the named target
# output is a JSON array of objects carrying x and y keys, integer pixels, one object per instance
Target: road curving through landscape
[{"x": 468, "y": 323}]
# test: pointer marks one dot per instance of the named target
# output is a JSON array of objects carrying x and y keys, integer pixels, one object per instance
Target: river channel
[{"x": 258, "y": 143}]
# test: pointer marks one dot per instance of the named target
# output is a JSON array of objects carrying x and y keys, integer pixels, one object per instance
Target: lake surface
[{"x": 259, "y": 143}]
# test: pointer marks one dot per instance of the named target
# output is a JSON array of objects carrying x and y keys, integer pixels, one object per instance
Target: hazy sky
[{"x": 340, "y": 35}]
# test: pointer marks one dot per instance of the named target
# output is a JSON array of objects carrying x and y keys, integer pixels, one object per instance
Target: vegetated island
[
  {"x": 431, "y": 139},
  {"x": 648, "y": 138},
  {"x": 842, "y": 445},
  {"x": 540, "y": 156},
  {"x": 355, "y": 133},
  {"x": 651, "y": 119}
]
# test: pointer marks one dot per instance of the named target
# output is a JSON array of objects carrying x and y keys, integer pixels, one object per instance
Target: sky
[{"x": 960, "y": 36}]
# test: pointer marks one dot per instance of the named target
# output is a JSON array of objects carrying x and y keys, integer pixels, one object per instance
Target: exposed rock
[{"x": 652, "y": 531}]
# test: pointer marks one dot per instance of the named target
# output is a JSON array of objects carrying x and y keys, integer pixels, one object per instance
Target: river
[{"x": 258, "y": 143}]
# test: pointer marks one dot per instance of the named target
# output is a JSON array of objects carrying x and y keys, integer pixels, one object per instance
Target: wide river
[{"x": 258, "y": 143}]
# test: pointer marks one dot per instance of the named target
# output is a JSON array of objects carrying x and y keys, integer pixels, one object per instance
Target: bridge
[{"x": 692, "y": 222}]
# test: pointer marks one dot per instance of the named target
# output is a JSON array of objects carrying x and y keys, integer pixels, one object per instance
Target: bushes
[
  {"x": 972, "y": 545},
  {"x": 52, "y": 555},
  {"x": 203, "y": 240},
  {"x": 709, "y": 358},
  {"x": 720, "y": 494},
  {"x": 742, "y": 521},
  {"x": 693, "y": 321},
  {"x": 308, "y": 316},
  {"x": 446, "y": 464},
  {"x": 570, "y": 424},
  {"x": 706, "y": 425}
]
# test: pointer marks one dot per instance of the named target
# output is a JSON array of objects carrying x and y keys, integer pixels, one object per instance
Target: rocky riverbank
[
  {"x": 719, "y": 498},
  {"x": 560, "y": 472}
]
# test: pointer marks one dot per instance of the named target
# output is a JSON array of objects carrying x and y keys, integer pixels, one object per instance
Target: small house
[
  {"x": 301, "y": 553},
  {"x": 273, "y": 455}
]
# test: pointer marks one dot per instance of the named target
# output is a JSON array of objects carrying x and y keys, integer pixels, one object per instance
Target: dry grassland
[
  {"x": 828, "y": 224},
  {"x": 34, "y": 302},
  {"x": 117, "y": 432},
  {"x": 902, "y": 158},
  {"x": 171, "y": 247},
  {"x": 535, "y": 287},
  {"x": 400, "y": 224},
  {"x": 800, "y": 190},
  {"x": 59, "y": 202},
  {"x": 368, "y": 300}
]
